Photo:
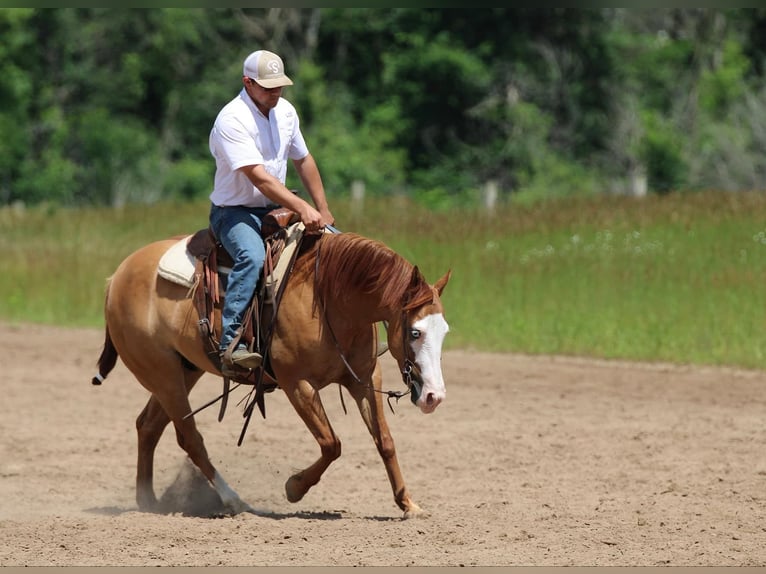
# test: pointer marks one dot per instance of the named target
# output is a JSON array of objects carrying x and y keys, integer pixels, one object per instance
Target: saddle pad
[{"x": 177, "y": 265}]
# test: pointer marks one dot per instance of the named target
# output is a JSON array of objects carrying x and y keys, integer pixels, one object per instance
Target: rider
[{"x": 251, "y": 140}]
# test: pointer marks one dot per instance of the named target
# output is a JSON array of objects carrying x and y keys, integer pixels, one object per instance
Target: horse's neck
[
  {"x": 356, "y": 304},
  {"x": 361, "y": 308}
]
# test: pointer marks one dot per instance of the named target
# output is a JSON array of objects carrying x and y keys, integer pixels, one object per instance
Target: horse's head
[{"x": 416, "y": 341}]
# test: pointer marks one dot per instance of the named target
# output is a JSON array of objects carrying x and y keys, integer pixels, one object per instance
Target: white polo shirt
[{"x": 241, "y": 136}]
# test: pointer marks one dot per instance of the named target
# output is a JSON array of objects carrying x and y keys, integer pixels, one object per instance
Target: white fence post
[
  {"x": 638, "y": 182},
  {"x": 490, "y": 196},
  {"x": 357, "y": 196}
]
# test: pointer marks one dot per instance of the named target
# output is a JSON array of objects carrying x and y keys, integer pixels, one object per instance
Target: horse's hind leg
[
  {"x": 370, "y": 406},
  {"x": 149, "y": 425},
  {"x": 171, "y": 403},
  {"x": 307, "y": 403}
]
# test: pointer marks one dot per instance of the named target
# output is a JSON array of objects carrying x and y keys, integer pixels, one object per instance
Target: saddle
[{"x": 282, "y": 233}]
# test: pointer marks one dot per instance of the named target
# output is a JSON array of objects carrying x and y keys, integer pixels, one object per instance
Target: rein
[{"x": 406, "y": 370}]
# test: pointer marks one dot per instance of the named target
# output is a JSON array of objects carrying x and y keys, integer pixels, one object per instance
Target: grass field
[{"x": 677, "y": 278}]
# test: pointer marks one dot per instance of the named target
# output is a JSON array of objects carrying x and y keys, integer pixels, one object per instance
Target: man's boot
[{"x": 242, "y": 358}]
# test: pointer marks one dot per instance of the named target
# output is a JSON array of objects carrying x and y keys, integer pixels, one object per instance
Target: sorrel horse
[{"x": 325, "y": 332}]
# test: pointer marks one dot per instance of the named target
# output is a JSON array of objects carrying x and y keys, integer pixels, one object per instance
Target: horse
[{"x": 341, "y": 287}]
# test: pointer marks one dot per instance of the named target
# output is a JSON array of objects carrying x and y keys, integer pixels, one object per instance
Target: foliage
[
  {"x": 661, "y": 153},
  {"x": 347, "y": 150},
  {"x": 110, "y": 105}
]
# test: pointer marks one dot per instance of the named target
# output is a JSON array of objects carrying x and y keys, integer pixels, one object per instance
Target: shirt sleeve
[{"x": 234, "y": 144}]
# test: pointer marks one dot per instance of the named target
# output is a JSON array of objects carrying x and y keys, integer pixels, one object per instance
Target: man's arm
[
  {"x": 275, "y": 190},
  {"x": 309, "y": 173}
]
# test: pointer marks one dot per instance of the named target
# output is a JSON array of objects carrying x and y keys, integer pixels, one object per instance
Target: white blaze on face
[{"x": 427, "y": 349}]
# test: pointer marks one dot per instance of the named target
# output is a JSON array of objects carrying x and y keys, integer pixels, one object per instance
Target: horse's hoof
[
  {"x": 148, "y": 504},
  {"x": 415, "y": 512},
  {"x": 293, "y": 489}
]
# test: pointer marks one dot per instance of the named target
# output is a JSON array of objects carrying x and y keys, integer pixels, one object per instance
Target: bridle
[
  {"x": 409, "y": 370},
  {"x": 411, "y": 375}
]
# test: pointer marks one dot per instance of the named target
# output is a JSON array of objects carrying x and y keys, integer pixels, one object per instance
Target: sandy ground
[{"x": 531, "y": 461}]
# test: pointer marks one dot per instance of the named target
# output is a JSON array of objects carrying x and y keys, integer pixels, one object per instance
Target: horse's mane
[{"x": 349, "y": 262}]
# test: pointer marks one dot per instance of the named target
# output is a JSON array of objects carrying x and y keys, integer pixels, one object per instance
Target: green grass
[{"x": 677, "y": 278}]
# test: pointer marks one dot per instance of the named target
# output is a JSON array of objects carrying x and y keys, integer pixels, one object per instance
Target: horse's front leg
[
  {"x": 370, "y": 406},
  {"x": 307, "y": 403}
]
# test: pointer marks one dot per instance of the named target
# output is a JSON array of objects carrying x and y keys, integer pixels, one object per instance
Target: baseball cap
[{"x": 267, "y": 69}]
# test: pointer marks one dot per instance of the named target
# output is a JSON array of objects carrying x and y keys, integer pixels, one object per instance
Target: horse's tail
[
  {"x": 107, "y": 360},
  {"x": 109, "y": 354}
]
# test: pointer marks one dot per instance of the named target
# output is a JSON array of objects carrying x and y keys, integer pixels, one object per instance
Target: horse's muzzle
[{"x": 429, "y": 401}]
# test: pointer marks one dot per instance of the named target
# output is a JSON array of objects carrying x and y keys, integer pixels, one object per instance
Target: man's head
[{"x": 266, "y": 69}]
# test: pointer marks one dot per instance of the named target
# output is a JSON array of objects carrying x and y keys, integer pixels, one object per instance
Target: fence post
[
  {"x": 357, "y": 196},
  {"x": 638, "y": 182},
  {"x": 490, "y": 196}
]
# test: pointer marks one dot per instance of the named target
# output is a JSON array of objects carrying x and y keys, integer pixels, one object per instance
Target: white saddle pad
[{"x": 177, "y": 265}]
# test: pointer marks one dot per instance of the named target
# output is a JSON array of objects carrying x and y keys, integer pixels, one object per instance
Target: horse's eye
[{"x": 414, "y": 334}]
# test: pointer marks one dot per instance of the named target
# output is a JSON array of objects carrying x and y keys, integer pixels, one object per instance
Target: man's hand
[
  {"x": 327, "y": 217},
  {"x": 311, "y": 218}
]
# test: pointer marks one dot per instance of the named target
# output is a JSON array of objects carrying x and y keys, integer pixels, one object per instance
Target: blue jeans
[{"x": 238, "y": 229}]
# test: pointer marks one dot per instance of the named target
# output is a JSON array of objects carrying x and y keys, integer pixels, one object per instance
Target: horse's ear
[
  {"x": 416, "y": 278},
  {"x": 441, "y": 283},
  {"x": 417, "y": 292}
]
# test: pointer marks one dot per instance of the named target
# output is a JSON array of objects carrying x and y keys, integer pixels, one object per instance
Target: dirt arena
[{"x": 529, "y": 462}]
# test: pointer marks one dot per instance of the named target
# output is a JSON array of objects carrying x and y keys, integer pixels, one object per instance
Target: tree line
[{"x": 108, "y": 106}]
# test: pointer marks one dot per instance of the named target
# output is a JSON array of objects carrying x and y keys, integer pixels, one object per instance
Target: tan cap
[{"x": 267, "y": 69}]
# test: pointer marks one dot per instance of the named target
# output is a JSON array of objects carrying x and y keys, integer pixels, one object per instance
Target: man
[{"x": 251, "y": 140}]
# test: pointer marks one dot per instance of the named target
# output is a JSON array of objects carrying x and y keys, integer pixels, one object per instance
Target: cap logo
[{"x": 273, "y": 66}]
